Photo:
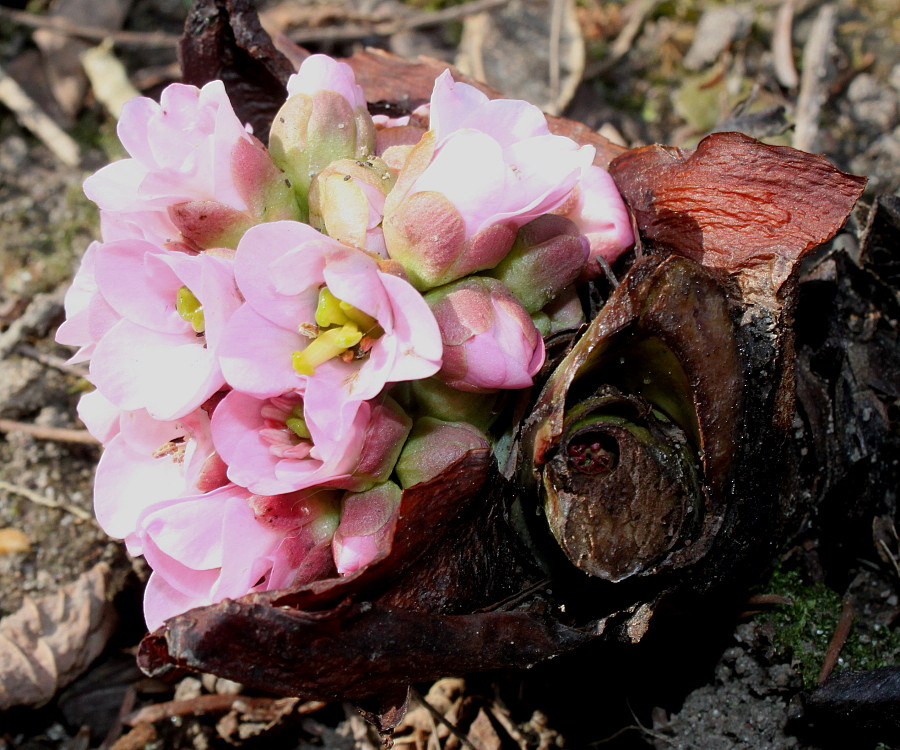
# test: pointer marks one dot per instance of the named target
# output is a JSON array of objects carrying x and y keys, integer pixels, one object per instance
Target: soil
[{"x": 719, "y": 680}]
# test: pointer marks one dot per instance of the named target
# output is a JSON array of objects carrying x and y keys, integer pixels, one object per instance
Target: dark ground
[{"x": 726, "y": 677}]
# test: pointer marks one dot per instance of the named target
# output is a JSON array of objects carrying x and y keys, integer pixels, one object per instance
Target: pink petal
[{"x": 255, "y": 355}]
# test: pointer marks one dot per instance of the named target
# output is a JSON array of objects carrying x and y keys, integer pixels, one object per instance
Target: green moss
[{"x": 803, "y": 630}]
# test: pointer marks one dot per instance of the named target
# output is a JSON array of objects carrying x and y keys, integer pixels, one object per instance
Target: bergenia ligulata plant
[{"x": 285, "y": 340}]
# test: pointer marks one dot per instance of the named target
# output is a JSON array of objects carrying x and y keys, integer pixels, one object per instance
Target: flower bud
[
  {"x": 367, "y": 526},
  {"x": 308, "y": 519},
  {"x": 324, "y": 119},
  {"x": 433, "y": 446},
  {"x": 490, "y": 341},
  {"x": 387, "y": 431},
  {"x": 548, "y": 255},
  {"x": 565, "y": 313},
  {"x": 596, "y": 206},
  {"x": 346, "y": 202},
  {"x": 435, "y": 399}
]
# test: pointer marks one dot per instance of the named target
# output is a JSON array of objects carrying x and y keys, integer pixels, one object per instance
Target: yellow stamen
[
  {"x": 190, "y": 309},
  {"x": 328, "y": 310},
  {"x": 365, "y": 322},
  {"x": 329, "y": 344},
  {"x": 297, "y": 425}
]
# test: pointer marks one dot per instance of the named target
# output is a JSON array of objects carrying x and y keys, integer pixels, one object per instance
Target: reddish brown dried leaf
[
  {"x": 353, "y": 651},
  {"x": 736, "y": 204},
  {"x": 51, "y": 640},
  {"x": 223, "y": 39}
]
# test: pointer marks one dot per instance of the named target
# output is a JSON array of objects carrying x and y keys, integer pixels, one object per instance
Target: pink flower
[
  {"x": 490, "y": 341},
  {"x": 367, "y": 526},
  {"x": 600, "y": 214},
  {"x": 88, "y": 315},
  {"x": 322, "y": 317},
  {"x": 203, "y": 549},
  {"x": 274, "y": 446},
  {"x": 485, "y": 169},
  {"x": 190, "y": 157},
  {"x": 156, "y": 357},
  {"x": 306, "y": 521},
  {"x": 147, "y": 462}
]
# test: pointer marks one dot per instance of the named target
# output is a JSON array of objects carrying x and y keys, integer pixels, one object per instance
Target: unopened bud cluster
[{"x": 284, "y": 339}]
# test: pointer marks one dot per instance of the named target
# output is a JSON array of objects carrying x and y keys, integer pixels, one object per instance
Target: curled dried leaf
[{"x": 49, "y": 641}]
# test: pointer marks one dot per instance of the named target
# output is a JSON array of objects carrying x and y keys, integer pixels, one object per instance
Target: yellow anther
[
  {"x": 328, "y": 310},
  {"x": 364, "y": 322},
  {"x": 297, "y": 425},
  {"x": 329, "y": 344},
  {"x": 190, "y": 309}
]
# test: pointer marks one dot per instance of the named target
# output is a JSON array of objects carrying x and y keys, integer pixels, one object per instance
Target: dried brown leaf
[
  {"x": 12, "y": 541},
  {"x": 737, "y": 204},
  {"x": 62, "y": 53},
  {"x": 49, "y": 641}
]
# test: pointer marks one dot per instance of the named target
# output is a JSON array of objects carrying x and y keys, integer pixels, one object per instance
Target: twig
[
  {"x": 92, "y": 33},
  {"x": 838, "y": 639},
  {"x": 209, "y": 704},
  {"x": 454, "y": 730},
  {"x": 783, "y": 46},
  {"x": 32, "y": 117},
  {"x": 556, "y": 18},
  {"x": 639, "y": 10},
  {"x": 814, "y": 82},
  {"x": 39, "y": 499},
  {"x": 514, "y": 599},
  {"x": 387, "y": 28},
  {"x": 49, "y": 360},
  {"x": 58, "y": 434}
]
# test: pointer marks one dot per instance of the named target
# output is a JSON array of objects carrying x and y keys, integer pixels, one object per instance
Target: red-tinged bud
[
  {"x": 435, "y": 399},
  {"x": 433, "y": 446},
  {"x": 346, "y": 202},
  {"x": 367, "y": 526},
  {"x": 383, "y": 441},
  {"x": 490, "y": 341},
  {"x": 548, "y": 255},
  {"x": 311, "y": 131}
]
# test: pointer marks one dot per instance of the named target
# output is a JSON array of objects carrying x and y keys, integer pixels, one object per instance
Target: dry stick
[
  {"x": 783, "y": 46},
  {"x": 387, "y": 28},
  {"x": 838, "y": 639},
  {"x": 39, "y": 499},
  {"x": 814, "y": 83},
  {"x": 49, "y": 360},
  {"x": 556, "y": 20},
  {"x": 639, "y": 9},
  {"x": 336, "y": 33},
  {"x": 92, "y": 33},
  {"x": 32, "y": 117},
  {"x": 210, "y": 704},
  {"x": 454, "y": 730},
  {"x": 59, "y": 434}
]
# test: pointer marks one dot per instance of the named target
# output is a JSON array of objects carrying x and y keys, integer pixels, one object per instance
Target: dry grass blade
[
  {"x": 91, "y": 33},
  {"x": 49, "y": 641},
  {"x": 32, "y": 117},
  {"x": 817, "y": 72},
  {"x": 39, "y": 499},
  {"x": 783, "y": 47},
  {"x": 60, "y": 434}
]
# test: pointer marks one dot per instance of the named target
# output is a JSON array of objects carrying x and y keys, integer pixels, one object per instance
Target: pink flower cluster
[{"x": 272, "y": 332}]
